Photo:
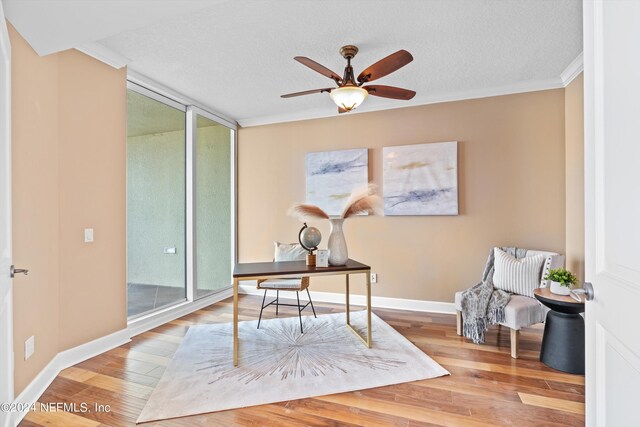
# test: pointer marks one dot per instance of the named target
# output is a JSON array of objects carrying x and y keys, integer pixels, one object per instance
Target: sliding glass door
[
  {"x": 156, "y": 262},
  {"x": 213, "y": 205},
  {"x": 180, "y": 202}
]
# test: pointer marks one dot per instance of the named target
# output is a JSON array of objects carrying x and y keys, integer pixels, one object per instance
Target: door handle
[
  {"x": 587, "y": 290},
  {"x": 13, "y": 271}
]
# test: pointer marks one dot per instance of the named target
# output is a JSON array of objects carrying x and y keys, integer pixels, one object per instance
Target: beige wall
[
  {"x": 68, "y": 168},
  {"x": 511, "y": 189},
  {"x": 35, "y": 152},
  {"x": 92, "y": 160},
  {"x": 574, "y": 168}
]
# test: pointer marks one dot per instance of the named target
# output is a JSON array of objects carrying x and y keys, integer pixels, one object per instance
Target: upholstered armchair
[{"x": 521, "y": 311}]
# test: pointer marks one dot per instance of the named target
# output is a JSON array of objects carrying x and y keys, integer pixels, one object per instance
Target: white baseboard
[
  {"x": 78, "y": 354},
  {"x": 379, "y": 302},
  {"x": 156, "y": 319},
  {"x": 62, "y": 361},
  {"x": 34, "y": 390}
]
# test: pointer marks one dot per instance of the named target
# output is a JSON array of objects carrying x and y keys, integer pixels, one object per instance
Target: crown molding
[
  {"x": 531, "y": 86},
  {"x": 104, "y": 54},
  {"x": 573, "y": 70}
]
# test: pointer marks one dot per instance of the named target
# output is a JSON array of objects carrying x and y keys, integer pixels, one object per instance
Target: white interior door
[
  {"x": 6, "y": 315},
  {"x": 612, "y": 195}
]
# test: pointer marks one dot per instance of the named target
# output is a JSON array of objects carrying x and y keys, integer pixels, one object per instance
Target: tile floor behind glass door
[{"x": 143, "y": 298}]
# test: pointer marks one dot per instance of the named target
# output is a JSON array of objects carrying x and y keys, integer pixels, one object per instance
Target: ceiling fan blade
[
  {"x": 342, "y": 110},
  {"x": 385, "y": 66},
  {"x": 390, "y": 92},
  {"x": 306, "y": 92},
  {"x": 318, "y": 68}
]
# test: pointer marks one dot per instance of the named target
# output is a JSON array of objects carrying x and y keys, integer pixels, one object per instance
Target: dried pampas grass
[
  {"x": 364, "y": 200},
  {"x": 304, "y": 212}
]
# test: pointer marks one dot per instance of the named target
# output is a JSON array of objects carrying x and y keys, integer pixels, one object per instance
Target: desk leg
[
  {"x": 367, "y": 341},
  {"x": 347, "y": 298},
  {"x": 235, "y": 322},
  {"x": 368, "y": 309}
]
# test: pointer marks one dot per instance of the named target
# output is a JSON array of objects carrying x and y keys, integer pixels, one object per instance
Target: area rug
[{"x": 277, "y": 363}]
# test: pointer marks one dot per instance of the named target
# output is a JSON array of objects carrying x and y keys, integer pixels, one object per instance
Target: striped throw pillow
[{"x": 518, "y": 276}]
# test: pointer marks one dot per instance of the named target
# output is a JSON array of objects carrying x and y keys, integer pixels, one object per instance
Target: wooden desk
[{"x": 289, "y": 269}]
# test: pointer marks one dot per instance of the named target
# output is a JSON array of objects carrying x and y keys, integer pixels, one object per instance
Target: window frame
[{"x": 191, "y": 109}]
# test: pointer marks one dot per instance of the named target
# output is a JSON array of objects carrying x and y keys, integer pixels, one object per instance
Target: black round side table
[{"x": 563, "y": 339}]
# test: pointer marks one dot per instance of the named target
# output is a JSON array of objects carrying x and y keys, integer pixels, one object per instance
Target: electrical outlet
[
  {"x": 374, "y": 277},
  {"x": 88, "y": 235},
  {"x": 29, "y": 347}
]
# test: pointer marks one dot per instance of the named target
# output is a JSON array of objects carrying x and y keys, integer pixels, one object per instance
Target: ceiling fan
[{"x": 350, "y": 93}]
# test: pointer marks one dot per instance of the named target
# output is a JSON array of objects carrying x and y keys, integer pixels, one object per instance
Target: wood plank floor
[{"x": 486, "y": 386}]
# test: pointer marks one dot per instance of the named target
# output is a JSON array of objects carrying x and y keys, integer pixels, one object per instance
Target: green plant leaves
[{"x": 562, "y": 276}]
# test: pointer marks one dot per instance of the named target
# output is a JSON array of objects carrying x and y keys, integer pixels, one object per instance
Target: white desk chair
[{"x": 287, "y": 252}]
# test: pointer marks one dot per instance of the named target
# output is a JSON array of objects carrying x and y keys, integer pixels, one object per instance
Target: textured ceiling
[
  {"x": 54, "y": 25},
  {"x": 237, "y": 56}
]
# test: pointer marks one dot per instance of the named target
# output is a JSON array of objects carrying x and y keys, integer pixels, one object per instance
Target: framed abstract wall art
[
  {"x": 421, "y": 179},
  {"x": 333, "y": 175}
]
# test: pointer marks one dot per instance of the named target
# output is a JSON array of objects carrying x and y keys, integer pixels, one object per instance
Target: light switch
[
  {"x": 169, "y": 250},
  {"x": 29, "y": 347},
  {"x": 88, "y": 235}
]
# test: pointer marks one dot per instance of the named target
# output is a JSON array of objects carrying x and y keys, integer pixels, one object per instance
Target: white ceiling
[
  {"x": 54, "y": 25},
  {"x": 236, "y": 57}
]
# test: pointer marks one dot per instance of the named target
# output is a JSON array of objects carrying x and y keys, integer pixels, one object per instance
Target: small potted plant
[{"x": 561, "y": 281}]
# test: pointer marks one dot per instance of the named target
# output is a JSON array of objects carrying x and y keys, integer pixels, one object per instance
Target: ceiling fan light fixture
[
  {"x": 348, "y": 97},
  {"x": 350, "y": 94}
]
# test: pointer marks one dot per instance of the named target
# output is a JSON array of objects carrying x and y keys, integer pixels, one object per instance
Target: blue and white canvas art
[
  {"x": 333, "y": 175},
  {"x": 421, "y": 179}
]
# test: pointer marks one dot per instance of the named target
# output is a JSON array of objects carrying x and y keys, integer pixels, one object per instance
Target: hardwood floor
[{"x": 486, "y": 386}]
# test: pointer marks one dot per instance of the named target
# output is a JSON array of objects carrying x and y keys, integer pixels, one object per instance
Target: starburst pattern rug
[{"x": 277, "y": 364}]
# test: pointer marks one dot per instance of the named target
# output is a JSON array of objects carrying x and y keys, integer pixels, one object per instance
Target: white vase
[
  {"x": 558, "y": 289},
  {"x": 338, "y": 254}
]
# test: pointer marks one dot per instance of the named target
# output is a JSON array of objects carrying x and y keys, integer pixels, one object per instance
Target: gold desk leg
[
  {"x": 235, "y": 322},
  {"x": 368, "y": 342},
  {"x": 347, "y": 298},
  {"x": 368, "y": 309}
]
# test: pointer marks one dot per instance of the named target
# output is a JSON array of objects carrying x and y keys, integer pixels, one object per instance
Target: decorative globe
[{"x": 310, "y": 237}]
